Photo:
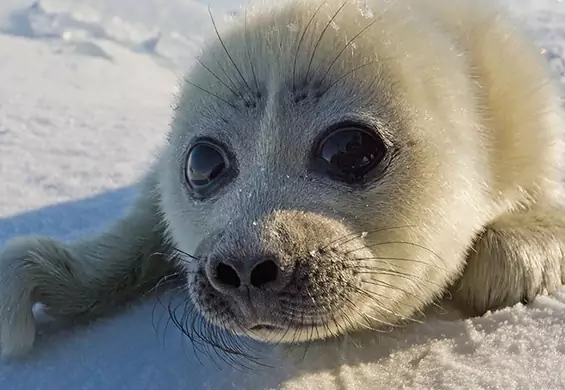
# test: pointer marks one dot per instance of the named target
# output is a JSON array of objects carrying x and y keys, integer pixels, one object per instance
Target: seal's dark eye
[
  {"x": 350, "y": 153},
  {"x": 206, "y": 165}
]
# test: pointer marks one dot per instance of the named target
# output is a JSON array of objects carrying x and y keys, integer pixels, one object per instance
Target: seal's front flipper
[
  {"x": 85, "y": 277},
  {"x": 517, "y": 257}
]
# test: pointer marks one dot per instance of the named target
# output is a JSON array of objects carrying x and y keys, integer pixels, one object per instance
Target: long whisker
[
  {"x": 192, "y": 257},
  {"x": 365, "y": 317},
  {"x": 380, "y": 283},
  {"x": 403, "y": 275},
  {"x": 300, "y": 43},
  {"x": 312, "y": 326},
  {"x": 227, "y": 52},
  {"x": 210, "y": 93},
  {"x": 217, "y": 77},
  {"x": 351, "y": 41},
  {"x": 321, "y": 36},
  {"x": 160, "y": 303},
  {"x": 257, "y": 92},
  {"x": 207, "y": 339},
  {"x": 344, "y": 76},
  {"x": 341, "y": 330},
  {"x": 167, "y": 279},
  {"x": 230, "y": 80},
  {"x": 378, "y": 304},
  {"x": 353, "y": 236},
  {"x": 398, "y": 243},
  {"x": 385, "y": 259}
]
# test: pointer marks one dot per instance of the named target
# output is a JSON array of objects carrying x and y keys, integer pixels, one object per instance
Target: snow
[{"x": 85, "y": 100}]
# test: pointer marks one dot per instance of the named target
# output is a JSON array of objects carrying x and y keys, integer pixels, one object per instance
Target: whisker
[
  {"x": 179, "y": 323},
  {"x": 342, "y": 332},
  {"x": 351, "y": 41},
  {"x": 182, "y": 335},
  {"x": 379, "y": 258},
  {"x": 356, "y": 308},
  {"x": 351, "y": 324},
  {"x": 184, "y": 253},
  {"x": 171, "y": 278},
  {"x": 230, "y": 80},
  {"x": 197, "y": 335},
  {"x": 206, "y": 339},
  {"x": 227, "y": 52},
  {"x": 217, "y": 77},
  {"x": 404, "y": 275},
  {"x": 210, "y": 93},
  {"x": 249, "y": 56},
  {"x": 307, "y": 342},
  {"x": 345, "y": 75},
  {"x": 380, "y": 283},
  {"x": 160, "y": 303},
  {"x": 353, "y": 236},
  {"x": 399, "y": 243},
  {"x": 227, "y": 349},
  {"x": 300, "y": 43},
  {"x": 240, "y": 344},
  {"x": 321, "y": 36},
  {"x": 312, "y": 325},
  {"x": 378, "y": 304}
]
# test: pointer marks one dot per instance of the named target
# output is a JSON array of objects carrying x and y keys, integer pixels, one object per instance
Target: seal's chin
[
  {"x": 289, "y": 333},
  {"x": 264, "y": 332},
  {"x": 264, "y": 328}
]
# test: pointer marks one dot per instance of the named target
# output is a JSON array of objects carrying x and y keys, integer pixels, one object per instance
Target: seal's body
[{"x": 332, "y": 167}]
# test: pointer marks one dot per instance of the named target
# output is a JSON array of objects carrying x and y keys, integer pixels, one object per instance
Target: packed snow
[{"x": 86, "y": 89}]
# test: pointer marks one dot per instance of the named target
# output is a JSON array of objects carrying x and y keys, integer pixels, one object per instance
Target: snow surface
[{"x": 86, "y": 87}]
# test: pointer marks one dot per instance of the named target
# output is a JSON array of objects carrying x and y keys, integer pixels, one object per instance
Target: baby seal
[{"x": 332, "y": 167}]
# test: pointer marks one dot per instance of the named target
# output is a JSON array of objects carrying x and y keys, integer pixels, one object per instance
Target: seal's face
[{"x": 318, "y": 172}]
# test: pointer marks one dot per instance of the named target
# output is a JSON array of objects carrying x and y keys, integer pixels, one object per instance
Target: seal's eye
[
  {"x": 350, "y": 153},
  {"x": 206, "y": 165}
]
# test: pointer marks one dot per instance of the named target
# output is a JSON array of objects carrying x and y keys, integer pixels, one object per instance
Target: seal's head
[{"x": 325, "y": 170}]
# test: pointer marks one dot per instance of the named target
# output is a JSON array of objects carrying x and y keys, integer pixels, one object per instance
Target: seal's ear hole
[{"x": 349, "y": 152}]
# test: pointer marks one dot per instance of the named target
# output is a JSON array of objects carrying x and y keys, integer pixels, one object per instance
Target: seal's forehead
[
  {"x": 274, "y": 67},
  {"x": 298, "y": 38}
]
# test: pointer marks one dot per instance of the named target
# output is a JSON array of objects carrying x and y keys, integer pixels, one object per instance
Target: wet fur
[{"x": 470, "y": 201}]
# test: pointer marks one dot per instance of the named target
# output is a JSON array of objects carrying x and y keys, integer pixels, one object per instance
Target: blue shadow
[{"x": 69, "y": 220}]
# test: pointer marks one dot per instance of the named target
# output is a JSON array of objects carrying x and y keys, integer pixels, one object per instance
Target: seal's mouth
[
  {"x": 269, "y": 328},
  {"x": 264, "y": 328}
]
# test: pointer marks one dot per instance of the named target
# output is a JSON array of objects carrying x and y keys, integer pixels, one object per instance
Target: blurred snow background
[{"x": 85, "y": 94}]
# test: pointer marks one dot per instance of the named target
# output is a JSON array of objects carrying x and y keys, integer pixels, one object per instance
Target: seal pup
[{"x": 332, "y": 167}]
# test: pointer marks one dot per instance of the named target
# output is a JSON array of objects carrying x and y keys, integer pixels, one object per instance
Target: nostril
[
  {"x": 227, "y": 275},
  {"x": 264, "y": 273}
]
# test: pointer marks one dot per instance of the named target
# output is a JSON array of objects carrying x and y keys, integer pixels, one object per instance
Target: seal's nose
[{"x": 231, "y": 273}]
